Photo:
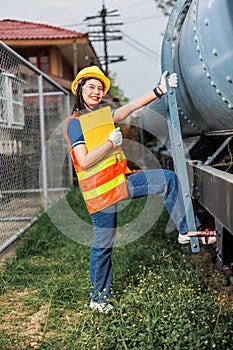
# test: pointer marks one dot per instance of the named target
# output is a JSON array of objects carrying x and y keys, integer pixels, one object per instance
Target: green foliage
[
  {"x": 165, "y": 5},
  {"x": 116, "y": 91},
  {"x": 161, "y": 300}
]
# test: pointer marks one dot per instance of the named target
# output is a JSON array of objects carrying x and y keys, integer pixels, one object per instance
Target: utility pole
[{"x": 105, "y": 35}]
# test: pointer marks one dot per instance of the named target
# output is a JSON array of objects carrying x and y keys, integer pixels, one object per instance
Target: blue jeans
[{"x": 149, "y": 182}]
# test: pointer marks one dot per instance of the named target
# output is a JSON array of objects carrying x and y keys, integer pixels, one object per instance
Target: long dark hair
[{"x": 79, "y": 104}]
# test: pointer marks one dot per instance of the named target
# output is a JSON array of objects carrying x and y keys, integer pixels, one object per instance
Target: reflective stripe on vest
[
  {"x": 104, "y": 183},
  {"x": 97, "y": 191}
]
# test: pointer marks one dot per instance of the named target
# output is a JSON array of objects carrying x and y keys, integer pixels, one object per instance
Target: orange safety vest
[{"x": 104, "y": 183}]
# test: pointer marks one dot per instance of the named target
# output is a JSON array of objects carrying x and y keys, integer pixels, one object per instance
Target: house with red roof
[{"x": 58, "y": 52}]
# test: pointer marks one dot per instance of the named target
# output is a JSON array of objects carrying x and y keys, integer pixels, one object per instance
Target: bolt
[{"x": 215, "y": 52}]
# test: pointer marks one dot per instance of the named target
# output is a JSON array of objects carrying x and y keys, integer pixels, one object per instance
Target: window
[
  {"x": 40, "y": 59},
  {"x": 11, "y": 100}
]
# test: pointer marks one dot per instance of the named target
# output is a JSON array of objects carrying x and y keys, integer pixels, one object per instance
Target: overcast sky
[{"x": 142, "y": 26}]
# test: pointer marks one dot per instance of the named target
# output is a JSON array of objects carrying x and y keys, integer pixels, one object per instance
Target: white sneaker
[
  {"x": 185, "y": 239},
  {"x": 102, "y": 307}
]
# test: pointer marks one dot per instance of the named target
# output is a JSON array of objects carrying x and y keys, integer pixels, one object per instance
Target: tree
[
  {"x": 165, "y": 5},
  {"x": 116, "y": 91}
]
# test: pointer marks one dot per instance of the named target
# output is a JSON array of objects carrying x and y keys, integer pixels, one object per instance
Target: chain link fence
[{"x": 32, "y": 113}]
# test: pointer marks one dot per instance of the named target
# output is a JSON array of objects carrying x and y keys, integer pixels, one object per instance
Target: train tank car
[{"x": 202, "y": 56}]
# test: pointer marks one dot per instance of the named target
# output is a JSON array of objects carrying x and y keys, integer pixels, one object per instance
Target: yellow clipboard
[{"x": 96, "y": 127}]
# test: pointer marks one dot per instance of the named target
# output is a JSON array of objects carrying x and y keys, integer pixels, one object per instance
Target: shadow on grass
[{"x": 161, "y": 300}]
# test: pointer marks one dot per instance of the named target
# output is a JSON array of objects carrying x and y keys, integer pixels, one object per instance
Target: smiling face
[{"x": 93, "y": 92}]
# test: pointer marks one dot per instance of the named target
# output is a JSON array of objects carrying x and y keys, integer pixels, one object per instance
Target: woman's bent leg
[{"x": 164, "y": 183}]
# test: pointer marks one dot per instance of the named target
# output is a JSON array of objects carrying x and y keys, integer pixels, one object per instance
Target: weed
[{"x": 160, "y": 298}]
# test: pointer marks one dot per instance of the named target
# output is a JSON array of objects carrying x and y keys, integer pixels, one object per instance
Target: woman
[{"x": 105, "y": 179}]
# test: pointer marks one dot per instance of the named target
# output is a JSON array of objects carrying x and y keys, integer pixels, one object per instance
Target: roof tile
[{"x": 15, "y": 29}]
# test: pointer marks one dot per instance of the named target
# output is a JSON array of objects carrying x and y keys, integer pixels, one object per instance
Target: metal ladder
[{"x": 174, "y": 123}]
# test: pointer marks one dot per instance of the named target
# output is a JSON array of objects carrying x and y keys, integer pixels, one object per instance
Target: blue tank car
[{"x": 194, "y": 124}]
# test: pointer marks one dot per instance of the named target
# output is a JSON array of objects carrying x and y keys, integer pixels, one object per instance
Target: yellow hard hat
[{"x": 94, "y": 72}]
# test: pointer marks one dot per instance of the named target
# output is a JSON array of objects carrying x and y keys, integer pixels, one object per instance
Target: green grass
[{"x": 161, "y": 298}]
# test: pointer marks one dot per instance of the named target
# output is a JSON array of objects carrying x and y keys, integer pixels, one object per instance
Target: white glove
[
  {"x": 162, "y": 88},
  {"x": 173, "y": 80},
  {"x": 115, "y": 137}
]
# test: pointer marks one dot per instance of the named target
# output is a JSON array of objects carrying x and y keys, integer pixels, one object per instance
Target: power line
[
  {"x": 105, "y": 34},
  {"x": 133, "y": 5},
  {"x": 63, "y": 8},
  {"x": 142, "y": 51},
  {"x": 140, "y": 19},
  {"x": 141, "y": 46},
  {"x": 129, "y": 20}
]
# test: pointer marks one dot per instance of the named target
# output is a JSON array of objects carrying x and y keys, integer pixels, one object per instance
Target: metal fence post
[
  {"x": 42, "y": 140},
  {"x": 70, "y": 164}
]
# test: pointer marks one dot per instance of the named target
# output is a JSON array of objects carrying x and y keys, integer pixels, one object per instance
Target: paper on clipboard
[{"x": 96, "y": 127}]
